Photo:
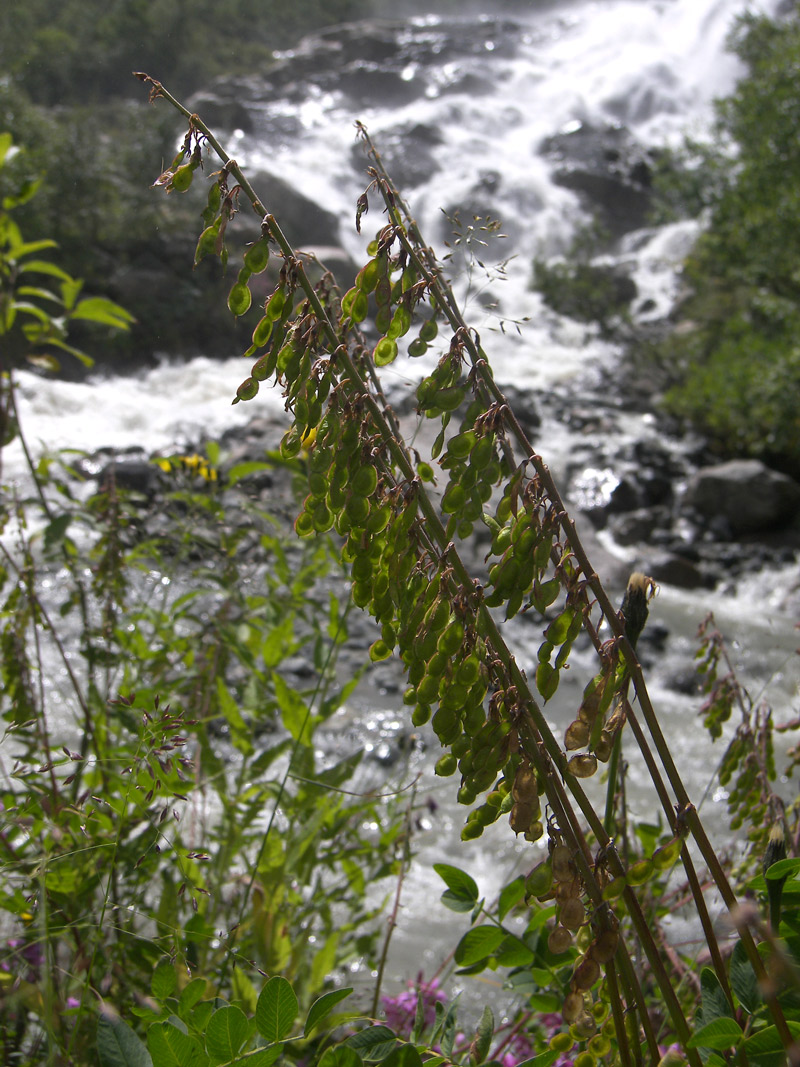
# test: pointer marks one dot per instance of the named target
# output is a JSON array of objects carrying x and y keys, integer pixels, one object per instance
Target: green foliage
[
  {"x": 735, "y": 362},
  {"x": 39, "y": 301},
  {"x": 191, "y": 815}
]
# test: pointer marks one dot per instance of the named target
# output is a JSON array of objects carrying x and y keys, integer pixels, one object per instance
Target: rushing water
[{"x": 492, "y": 90}]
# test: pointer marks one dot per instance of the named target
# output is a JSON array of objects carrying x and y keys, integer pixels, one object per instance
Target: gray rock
[{"x": 744, "y": 494}]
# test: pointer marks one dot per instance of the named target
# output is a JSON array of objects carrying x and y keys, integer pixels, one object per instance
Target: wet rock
[
  {"x": 673, "y": 569},
  {"x": 743, "y": 494},
  {"x": 302, "y": 220},
  {"x": 407, "y": 151},
  {"x": 637, "y": 527},
  {"x": 610, "y": 172}
]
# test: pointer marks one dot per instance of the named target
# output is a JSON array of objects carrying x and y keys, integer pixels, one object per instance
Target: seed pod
[
  {"x": 604, "y": 746},
  {"x": 614, "y": 889},
  {"x": 181, "y": 179},
  {"x": 385, "y": 352},
  {"x": 604, "y": 947},
  {"x": 256, "y": 257},
  {"x": 428, "y": 331},
  {"x": 583, "y": 1028},
  {"x": 239, "y": 299},
  {"x": 572, "y": 913},
  {"x": 524, "y": 788},
  {"x": 665, "y": 856},
  {"x": 449, "y": 399},
  {"x": 451, "y": 639},
  {"x": 582, "y": 766},
  {"x": 471, "y": 831},
  {"x": 520, "y": 817},
  {"x": 576, "y": 736},
  {"x": 446, "y": 765},
  {"x": 573, "y": 1006},
  {"x": 563, "y": 868},
  {"x": 420, "y": 715},
  {"x": 454, "y": 498},
  {"x": 379, "y": 650},
  {"x": 417, "y": 348},
  {"x": 400, "y": 324},
  {"x": 247, "y": 390},
  {"x": 535, "y": 831},
  {"x": 638, "y": 873},
  {"x": 564, "y": 891},
  {"x": 364, "y": 481},
  {"x": 559, "y": 941},
  {"x": 586, "y": 974}
]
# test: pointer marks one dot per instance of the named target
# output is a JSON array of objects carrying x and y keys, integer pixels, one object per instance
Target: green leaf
[
  {"x": 721, "y": 1033},
  {"x": 783, "y": 868},
  {"x": 340, "y": 1056},
  {"x": 164, "y": 981},
  {"x": 514, "y": 953},
  {"x": 462, "y": 890},
  {"x": 477, "y": 944},
  {"x": 192, "y": 993},
  {"x": 743, "y": 980},
  {"x": 544, "y": 1059},
  {"x": 765, "y": 1049},
  {"x": 170, "y": 1047},
  {"x": 227, "y": 1031},
  {"x": 295, "y": 712},
  {"x": 41, "y": 266},
  {"x": 118, "y": 1045},
  {"x": 242, "y": 470},
  {"x": 479, "y": 1049},
  {"x": 323, "y": 1006},
  {"x": 106, "y": 312},
  {"x": 510, "y": 895},
  {"x": 54, "y": 531},
  {"x": 277, "y": 1009},
  {"x": 715, "y": 1004},
  {"x": 405, "y": 1055},
  {"x": 373, "y": 1043}
]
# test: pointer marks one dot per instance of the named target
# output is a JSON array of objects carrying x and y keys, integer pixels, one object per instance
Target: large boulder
[{"x": 744, "y": 494}]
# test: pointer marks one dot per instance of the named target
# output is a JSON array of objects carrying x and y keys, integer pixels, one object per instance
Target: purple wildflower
[{"x": 401, "y": 1009}]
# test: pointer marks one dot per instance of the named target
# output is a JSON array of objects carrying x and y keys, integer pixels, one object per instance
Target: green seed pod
[
  {"x": 262, "y": 331},
  {"x": 483, "y": 452},
  {"x": 667, "y": 855},
  {"x": 600, "y": 1046},
  {"x": 454, "y": 498},
  {"x": 614, "y": 889},
  {"x": 446, "y": 765},
  {"x": 247, "y": 390},
  {"x": 450, "y": 398},
  {"x": 428, "y": 689},
  {"x": 291, "y": 443},
  {"x": 438, "y": 664},
  {"x": 451, "y": 639},
  {"x": 471, "y": 831},
  {"x": 304, "y": 524},
  {"x": 421, "y": 714},
  {"x": 638, "y": 873},
  {"x": 544, "y": 593},
  {"x": 417, "y": 348},
  {"x": 428, "y": 331},
  {"x": 323, "y": 517},
  {"x": 181, "y": 179},
  {"x": 357, "y": 509},
  {"x": 540, "y": 880},
  {"x": 256, "y": 257},
  {"x": 379, "y": 650},
  {"x": 562, "y": 1042},
  {"x": 466, "y": 795},
  {"x": 460, "y": 446},
  {"x": 239, "y": 299},
  {"x": 582, "y": 765},
  {"x": 275, "y": 305},
  {"x": 365, "y": 481},
  {"x": 385, "y": 352},
  {"x": 359, "y": 307},
  {"x": 400, "y": 324},
  {"x": 469, "y": 671}
]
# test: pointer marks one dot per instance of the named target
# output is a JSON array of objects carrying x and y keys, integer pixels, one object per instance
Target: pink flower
[{"x": 401, "y": 1010}]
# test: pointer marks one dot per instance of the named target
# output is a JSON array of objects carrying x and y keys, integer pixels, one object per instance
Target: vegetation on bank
[{"x": 731, "y": 365}]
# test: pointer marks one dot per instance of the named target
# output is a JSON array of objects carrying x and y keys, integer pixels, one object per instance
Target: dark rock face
[
  {"x": 302, "y": 220},
  {"x": 742, "y": 496},
  {"x": 609, "y": 170}
]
